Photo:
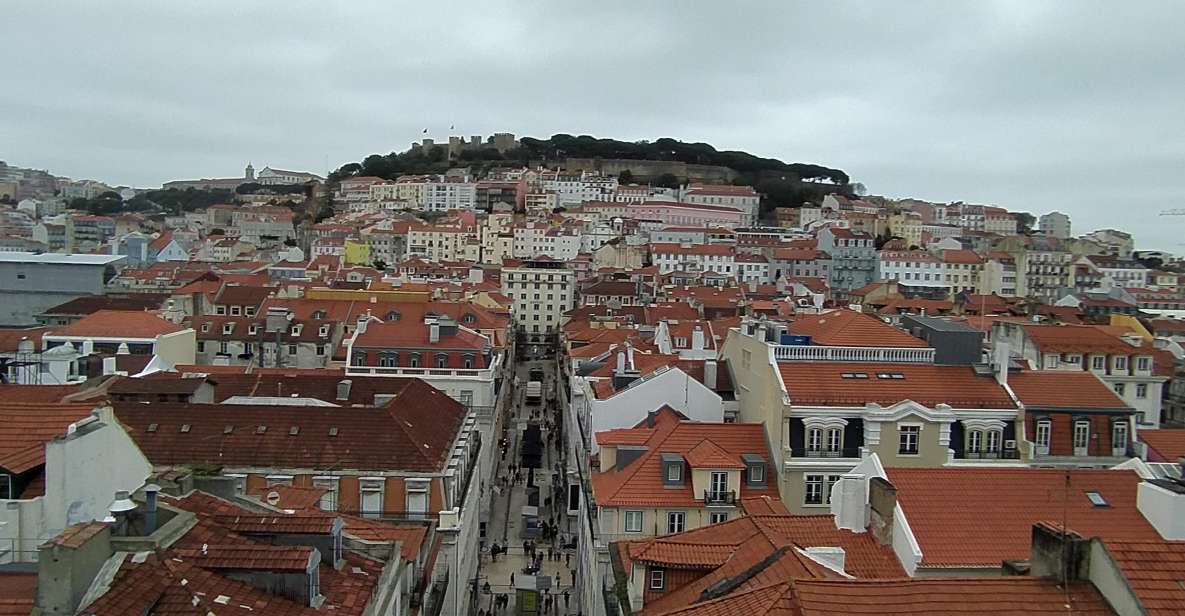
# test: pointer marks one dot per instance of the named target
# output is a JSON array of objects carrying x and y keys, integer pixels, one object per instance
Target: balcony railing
[
  {"x": 720, "y": 497},
  {"x": 785, "y": 352},
  {"x": 1006, "y": 454},
  {"x": 843, "y": 452}
]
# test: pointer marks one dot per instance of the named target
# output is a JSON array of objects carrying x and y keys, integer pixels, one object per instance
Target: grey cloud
[{"x": 1026, "y": 104}]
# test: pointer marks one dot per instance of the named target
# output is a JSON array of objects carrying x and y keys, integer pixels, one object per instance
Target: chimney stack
[
  {"x": 620, "y": 370},
  {"x": 697, "y": 339},
  {"x": 433, "y": 331},
  {"x": 1000, "y": 359},
  {"x": 150, "y": 492}
]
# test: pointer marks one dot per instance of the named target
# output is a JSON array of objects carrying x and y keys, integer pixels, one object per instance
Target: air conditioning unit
[{"x": 1010, "y": 444}]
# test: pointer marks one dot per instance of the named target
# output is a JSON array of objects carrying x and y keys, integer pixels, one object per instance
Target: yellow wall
[
  {"x": 930, "y": 453},
  {"x": 358, "y": 253}
]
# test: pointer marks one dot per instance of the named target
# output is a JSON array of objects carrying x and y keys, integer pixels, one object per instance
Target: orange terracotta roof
[
  {"x": 291, "y": 497},
  {"x": 77, "y": 535},
  {"x": 36, "y": 393},
  {"x": 1068, "y": 389},
  {"x": 1165, "y": 445},
  {"x": 1005, "y": 596},
  {"x": 1077, "y": 339},
  {"x": 118, "y": 324},
  {"x": 680, "y": 554},
  {"x": 991, "y": 519},
  {"x": 641, "y": 482},
  {"x": 709, "y": 455},
  {"x": 824, "y": 383},
  {"x": 623, "y": 436},
  {"x": 763, "y": 505},
  {"x": 1154, "y": 571},
  {"x": 410, "y": 536},
  {"x": 850, "y": 328},
  {"x": 25, "y": 428}
]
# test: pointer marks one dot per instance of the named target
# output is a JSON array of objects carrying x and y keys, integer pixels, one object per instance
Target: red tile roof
[
  {"x": 709, "y": 455},
  {"x": 117, "y": 324},
  {"x": 980, "y": 517},
  {"x": 1165, "y": 444},
  {"x": 823, "y": 383},
  {"x": 763, "y": 505},
  {"x": 1063, "y": 389},
  {"x": 415, "y": 431},
  {"x": 36, "y": 393},
  {"x": 77, "y": 535},
  {"x": 249, "y": 556},
  {"x": 1154, "y": 571},
  {"x": 25, "y": 428},
  {"x": 850, "y": 328},
  {"x": 291, "y": 497},
  {"x": 410, "y": 536},
  {"x": 18, "y": 590},
  {"x": 1078, "y": 339},
  {"x": 641, "y": 482}
]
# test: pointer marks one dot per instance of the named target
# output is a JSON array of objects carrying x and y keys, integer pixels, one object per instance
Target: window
[
  {"x": 1141, "y": 390},
  {"x": 718, "y": 485},
  {"x": 657, "y": 579},
  {"x": 907, "y": 440},
  {"x": 1143, "y": 364},
  {"x": 417, "y": 497},
  {"x": 441, "y": 360},
  {"x": 675, "y": 522},
  {"x": 1120, "y": 388},
  {"x": 717, "y": 517},
  {"x": 633, "y": 521},
  {"x": 321, "y": 349},
  {"x": 814, "y": 440},
  {"x": 1081, "y": 437},
  {"x": 278, "y": 480},
  {"x": 371, "y": 499},
  {"x": 220, "y": 309},
  {"x": 993, "y": 441},
  {"x": 1051, "y": 361},
  {"x": 465, "y": 397},
  {"x": 813, "y": 494},
  {"x": 292, "y": 349},
  {"x": 328, "y": 500},
  {"x": 414, "y": 360},
  {"x": 252, "y": 330},
  {"x": 240, "y": 484},
  {"x": 834, "y": 440},
  {"x": 974, "y": 441},
  {"x": 1121, "y": 363},
  {"x": 201, "y": 346},
  {"x": 756, "y": 473},
  {"x": 228, "y": 328},
  {"x": 1098, "y": 362},
  {"x": 223, "y": 347},
  {"x": 387, "y": 359},
  {"x": 236, "y": 310},
  {"x": 1042, "y": 436},
  {"x": 1119, "y": 438},
  {"x": 674, "y": 473}
]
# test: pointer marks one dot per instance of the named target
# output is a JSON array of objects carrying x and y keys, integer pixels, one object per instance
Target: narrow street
[{"x": 511, "y": 506}]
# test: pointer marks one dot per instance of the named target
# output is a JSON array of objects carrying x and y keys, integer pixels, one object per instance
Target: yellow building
[{"x": 358, "y": 253}]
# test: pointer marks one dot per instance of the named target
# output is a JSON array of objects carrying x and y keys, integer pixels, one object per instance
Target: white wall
[{"x": 673, "y": 388}]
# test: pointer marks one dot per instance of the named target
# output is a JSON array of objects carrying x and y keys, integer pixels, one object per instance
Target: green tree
[
  {"x": 1025, "y": 222},
  {"x": 625, "y": 177},
  {"x": 666, "y": 180},
  {"x": 379, "y": 264}
]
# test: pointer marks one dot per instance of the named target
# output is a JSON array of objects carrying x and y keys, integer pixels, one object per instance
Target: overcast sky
[{"x": 1077, "y": 106}]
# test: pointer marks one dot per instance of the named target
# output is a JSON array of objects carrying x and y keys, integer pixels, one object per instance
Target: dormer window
[
  {"x": 236, "y": 310},
  {"x": 249, "y": 311},
  {"x": 219, "y": 309},
  {"x": 441, "y": 360},
  {"x": 1121, "y": 362},
  {"x": 324, "y": 331},
  {"x": 393, "y": 315},
  {"x": 228, "y": 328},
  {"x": 252, "y": 329},
  {"x": 318, "y": 314},
  {"x": 754, "y": 469},
  {"x": 1098, "y": 362},
  {"x": 672, "y": 472},
  {"x": 205, "y": 327},
  {"x": 468, "y": 318},
  {"x": 1143, "y": 364},
  {"x": 296, "y": 329}
]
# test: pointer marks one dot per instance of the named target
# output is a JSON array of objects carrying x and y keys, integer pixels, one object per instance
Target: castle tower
[{"x": 249, "y": 173}]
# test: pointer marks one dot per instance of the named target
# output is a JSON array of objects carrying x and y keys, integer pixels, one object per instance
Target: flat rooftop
[
  {"x": 939, "y": 324},
  {"x": 59, "y": 259}
]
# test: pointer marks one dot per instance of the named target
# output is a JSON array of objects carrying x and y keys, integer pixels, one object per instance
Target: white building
[
  {"x": 742, "y": 198},
  {"x": 278, "y": 176},
  {"x": 914, "y": 268},
  {"x": 542, "y": 290},
  {"x": 535, "y": 239},
  {"x": 444, "y": 196},
  {"x": 690, "y": 257},
  {"x": 1055, "y": 224}
]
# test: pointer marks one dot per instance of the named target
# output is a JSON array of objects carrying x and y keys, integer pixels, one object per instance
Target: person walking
[
  {"x": 512, "y": 579},
  {"x": 565, "y": 600}
]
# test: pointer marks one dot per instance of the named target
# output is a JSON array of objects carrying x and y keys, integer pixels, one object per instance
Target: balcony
[
  {"x": 1007, "y": 454},
  {"x": 720, "y": 497},
  {"x": 784, "y": 352},
  {"x": 843, "y": 452}
]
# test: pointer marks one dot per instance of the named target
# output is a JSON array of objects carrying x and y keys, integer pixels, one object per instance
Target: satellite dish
[{"x": 272, "y": 498}]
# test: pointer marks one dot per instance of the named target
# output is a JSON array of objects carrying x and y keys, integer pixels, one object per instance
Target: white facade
[
  {"x": 915, "y": 268},
  {"x": 541, "y": 296},
  {"x": 1055, "y": 224},
  {"x": 83, "y": 470},
  {"x": 443, "y": 196},
  {"x": 694, "y": 258}
]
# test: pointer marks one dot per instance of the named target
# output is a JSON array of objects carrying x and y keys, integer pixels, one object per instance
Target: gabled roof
[
  {"x": 413, "y": 432},
  {"x": 980, "y": 517},
  {"x": 1063, "y": 389},
  {"x": 1164, "y": 445},
  {"x": 117, "y": 324},
  {"x": 767, "y": 546},
  {"x": 641, "y": 482},
  {"x": 1154, "y": 571},
  {"x": 89, "y": 304},
  {"x": 709, "y": 455},
  {"x": 25, "y": 428},
  {"x": 858, "y": 383},
  {"x": 851, "y": 328}
]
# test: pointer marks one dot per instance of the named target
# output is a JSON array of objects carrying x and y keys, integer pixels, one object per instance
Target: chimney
[
  {"x": 343, "y": 389},
  {"x": 620, "y": 370},
  {"x": 697, "y": 338},
  {"x": 1162, "y": 502},
  {"x": 882, "y": 502},
  {"x": 710, "y": 374},
  {"x": 849, "y": 503},
  {"x": 1056, "y": 553},
  {"x": 121, "y": 509},
  {"x": 25, "y": 346},
  {"x": 363, "y": 319},
  {"x": 1000, "y": 357},
  {"x": 150, "y": 492}
]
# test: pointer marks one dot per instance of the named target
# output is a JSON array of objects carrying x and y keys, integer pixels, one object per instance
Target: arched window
[
  {"x": 393, "y": 315},
  {"x": 442, "y": 360},
  {"x": 467, "y": 362},
  {"x": 414, "y": 360}
]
